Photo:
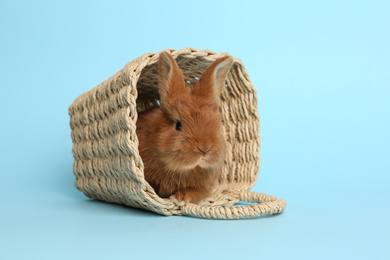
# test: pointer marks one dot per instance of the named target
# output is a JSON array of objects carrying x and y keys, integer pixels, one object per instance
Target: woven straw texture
[{"x": 107, "y": 163}]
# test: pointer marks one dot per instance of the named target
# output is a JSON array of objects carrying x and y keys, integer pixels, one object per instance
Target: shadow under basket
[{"x": 107, "y": 163}]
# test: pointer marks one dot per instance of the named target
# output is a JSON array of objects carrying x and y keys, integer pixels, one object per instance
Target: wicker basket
[{"x": 107, "y": 163}]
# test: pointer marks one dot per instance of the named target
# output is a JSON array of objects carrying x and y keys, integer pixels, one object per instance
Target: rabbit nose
[{"x": 204, "y": 149}]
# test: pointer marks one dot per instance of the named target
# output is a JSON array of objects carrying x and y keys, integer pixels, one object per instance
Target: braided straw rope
[{"x": 107, "y": 163}]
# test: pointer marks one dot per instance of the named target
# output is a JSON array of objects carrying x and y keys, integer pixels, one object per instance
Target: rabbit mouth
[
  {"x": 201, "y": 162},
  {"x": 206, "y": 162}
]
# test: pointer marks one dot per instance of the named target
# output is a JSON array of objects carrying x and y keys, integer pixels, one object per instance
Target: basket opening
[
  {"x": 148, "y": 94},
  {"x": 235, "y": 108}
]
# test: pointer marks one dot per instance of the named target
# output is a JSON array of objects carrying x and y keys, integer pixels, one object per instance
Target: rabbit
[{"x": 181, "y": 142}]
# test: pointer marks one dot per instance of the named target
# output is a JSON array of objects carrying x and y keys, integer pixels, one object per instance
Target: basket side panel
[
  {"x": 107, "y": 164},
  {"x": 242, "y": 129}
]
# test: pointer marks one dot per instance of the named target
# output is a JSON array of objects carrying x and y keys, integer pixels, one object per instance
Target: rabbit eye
[{"x": 178, "y": 126}]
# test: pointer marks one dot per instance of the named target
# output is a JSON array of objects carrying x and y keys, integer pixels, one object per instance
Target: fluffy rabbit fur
[{"x": 181, "y": 142}]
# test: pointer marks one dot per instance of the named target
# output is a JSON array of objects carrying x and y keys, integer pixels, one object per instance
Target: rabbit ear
[
  {"x": 171, "y": 79},
  {"x": 212, "y": 82}
]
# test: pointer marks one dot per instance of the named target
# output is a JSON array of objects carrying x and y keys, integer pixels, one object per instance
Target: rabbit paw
[{"x": 176, "y": 201}]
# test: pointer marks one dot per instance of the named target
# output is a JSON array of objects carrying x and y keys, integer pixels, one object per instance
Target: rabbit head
[{"x": 191, "y": 129}]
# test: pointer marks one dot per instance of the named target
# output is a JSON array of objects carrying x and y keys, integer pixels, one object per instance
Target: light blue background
[{"x": 322, "y": 72}]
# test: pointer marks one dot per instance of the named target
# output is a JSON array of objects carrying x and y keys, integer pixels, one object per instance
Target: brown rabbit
[{"x": 181, "y": 142}]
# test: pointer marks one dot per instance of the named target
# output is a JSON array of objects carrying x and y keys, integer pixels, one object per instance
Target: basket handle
[{"x": 266, "y": 205}]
